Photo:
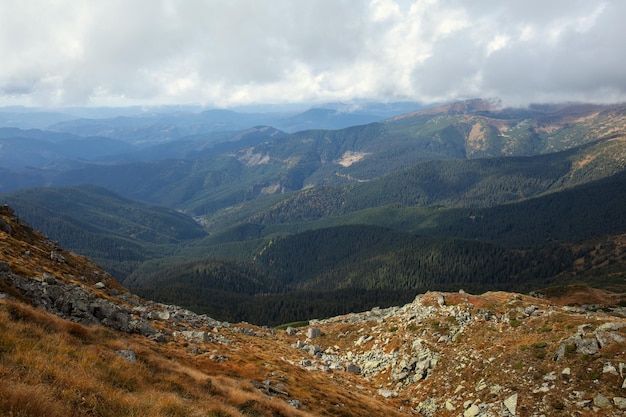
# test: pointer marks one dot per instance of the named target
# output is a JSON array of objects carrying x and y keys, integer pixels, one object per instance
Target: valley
[{"x": 269, "y": 227}]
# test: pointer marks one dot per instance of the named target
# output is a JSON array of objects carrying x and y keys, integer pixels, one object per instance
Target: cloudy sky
[{"x": 232, "y": 52}]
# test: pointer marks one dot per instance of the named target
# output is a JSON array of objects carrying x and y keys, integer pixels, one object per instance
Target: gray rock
[
  {"x": 608, "y": 368},
  {"x": 127, "y": 355},
  {"x": 290, "y": 331},
  {"x": 588, "y": 346},
  {"x": 605, "y": 338},
  {"x": 57, "y": 257},
  {"x": 294, "y": 403},
  {"x": 601, "y": 401},
  {"x": 49, "y": 278},
  {"x": 160, "y": 338},
  {"x": 385, "y": 393},
  {"x": 428, "y": 407},
  {"x": 620, "y": 402},
  {"x": 532, "y": 310},
  {"x": 141, "y": 327},
  {"x": 610, "y": 326},
  {"x": 313, "y": 332},
  {"x": 99, "y": 285},
  {"x": 195, "y": 336},
  {"x": 161, "y": 315},
  {"x": 352, "y": 368}
]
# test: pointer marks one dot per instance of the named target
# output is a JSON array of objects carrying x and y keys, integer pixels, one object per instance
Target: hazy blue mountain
[{"x": 39, "y": 148}]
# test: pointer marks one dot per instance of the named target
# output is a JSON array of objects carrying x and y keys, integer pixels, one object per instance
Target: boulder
[{"x": 313, "y": 332}]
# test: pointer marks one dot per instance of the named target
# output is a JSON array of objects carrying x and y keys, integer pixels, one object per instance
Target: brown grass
[
  {"x": 23, "y": 400},
  {"x": 51, "y": 367}
]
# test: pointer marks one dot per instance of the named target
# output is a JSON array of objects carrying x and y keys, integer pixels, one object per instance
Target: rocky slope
[{"x": 562, "y": 352}]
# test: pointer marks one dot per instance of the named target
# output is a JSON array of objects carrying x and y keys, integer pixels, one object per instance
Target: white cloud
[{"x": 224, "y": 53}]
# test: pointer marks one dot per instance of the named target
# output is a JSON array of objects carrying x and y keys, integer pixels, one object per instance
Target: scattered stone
[
  {"x": 428, "y": 407},
  {"x": 290, "y": 331},
  {"x": 531, "y": 311},
  {"x": 481, "y": 385},
  {"x": 472, "y": 411},
  {"x": 511, "y": 404},
  {"x": 450, "y": 406},
  {"x": 57, "y": 257},
  {"x": 99, "y": 285},
  {"x": 299, "y": 344},
  {"x": 162, "y": 315},
  {"x": 313, "y": 332},
  {"x": 195, "y": 336},
  {"x": 127, "y": 355},
  {"x": 609, "y": 369},
  {"x": 294, "y": 403},
  {"x": 550, "y": 377},
  {"x": 601, "y": 401},
  {"x": 387, "y": 393},
  {"x": 160, "y": 338},
  {"x": 352, "y": 368},
  {"x": 620, "y": 402},
  {"x": 441, "y": 301},
  {"x": 566, "y": 373}
]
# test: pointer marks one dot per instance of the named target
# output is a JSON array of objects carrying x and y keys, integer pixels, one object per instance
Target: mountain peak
[{"x": 457, "y": 107}]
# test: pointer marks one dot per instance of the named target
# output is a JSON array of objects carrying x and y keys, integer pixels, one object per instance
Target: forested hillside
[{"x": 320, "y": 222}]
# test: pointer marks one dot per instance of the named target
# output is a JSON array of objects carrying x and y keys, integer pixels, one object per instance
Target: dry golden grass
[{"x": 50, "y": 367}]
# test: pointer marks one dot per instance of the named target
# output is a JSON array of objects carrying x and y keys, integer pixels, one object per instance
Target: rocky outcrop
[
  {"x": 90, "y": 305},
  {"x": 78, "y": 303}
]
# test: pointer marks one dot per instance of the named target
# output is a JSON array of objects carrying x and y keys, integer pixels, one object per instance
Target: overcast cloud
[{"x": 233, "y": 52}]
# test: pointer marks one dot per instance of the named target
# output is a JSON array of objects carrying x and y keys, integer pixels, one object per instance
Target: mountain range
[{"x": 323, "y": 222}]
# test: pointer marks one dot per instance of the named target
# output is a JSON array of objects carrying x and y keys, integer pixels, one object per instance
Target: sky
[{"x": 227, "y": 53}]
